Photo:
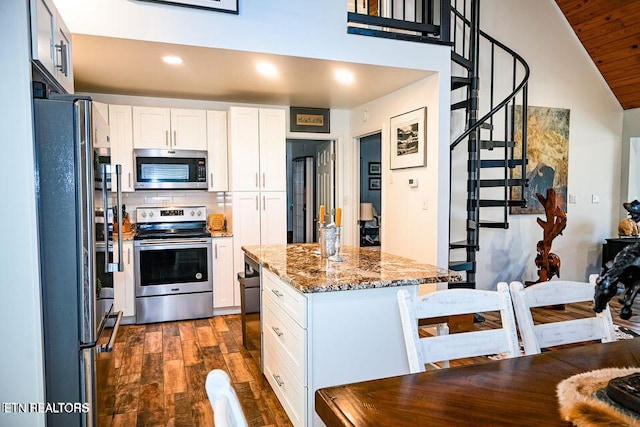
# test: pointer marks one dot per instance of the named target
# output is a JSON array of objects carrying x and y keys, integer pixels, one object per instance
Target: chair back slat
[
  {"x": 535, "y": 337},
  {"x": 451, "y": 302}
]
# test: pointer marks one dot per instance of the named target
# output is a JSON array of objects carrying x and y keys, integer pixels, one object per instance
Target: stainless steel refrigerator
[{"x": 74, "y": 372}]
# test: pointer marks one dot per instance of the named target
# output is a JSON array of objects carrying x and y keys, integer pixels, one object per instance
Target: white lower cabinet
[
  {"x": 123, "y": 282},
  {"x": 284, "y": 352},
  {"x": 224, "y": 283}
]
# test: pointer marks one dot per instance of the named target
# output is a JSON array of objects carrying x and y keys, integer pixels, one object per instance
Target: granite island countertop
[{"x": 301, "y": 266}]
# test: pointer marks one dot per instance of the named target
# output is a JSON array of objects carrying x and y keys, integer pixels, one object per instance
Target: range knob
[
  {"x": 199, "y": 213},
  {"x": 192, "y": 213},
  {"x": 150, "y": 214},
  {"x": 143, "y": 214}
]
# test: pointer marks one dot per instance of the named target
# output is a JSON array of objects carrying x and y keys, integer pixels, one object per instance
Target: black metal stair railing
[
  {"x": 414, "y": 20},
  {"x": 482, "y": 149}
]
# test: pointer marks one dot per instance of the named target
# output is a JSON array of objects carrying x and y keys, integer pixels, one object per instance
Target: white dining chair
[
  {"x": 227, "y": 411},
  {"x": 451, "y": 302},
  {"x": 535, "y": 337}
]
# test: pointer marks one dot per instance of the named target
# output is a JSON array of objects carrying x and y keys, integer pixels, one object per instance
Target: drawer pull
[
  {"x": 277, "y": 331},
  {"x": 277, "y": 292},
  {"x": 278, "y": 380}
]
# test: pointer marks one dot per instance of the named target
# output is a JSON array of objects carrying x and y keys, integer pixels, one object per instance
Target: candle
[
  {"x": 338, "y": 217},
  {"x": 321, "y": 215}
]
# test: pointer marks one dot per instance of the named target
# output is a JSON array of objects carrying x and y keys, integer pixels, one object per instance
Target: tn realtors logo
[{"x": 39, "y": 407}]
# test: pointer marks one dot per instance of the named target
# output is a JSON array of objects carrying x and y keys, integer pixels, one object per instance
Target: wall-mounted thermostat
[{"x": 413, "y": 182}]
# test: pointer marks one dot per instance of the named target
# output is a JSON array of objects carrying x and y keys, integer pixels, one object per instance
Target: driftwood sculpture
[
  {"x": 549, "y": 263},
  {"x": 625, "y": 269}
]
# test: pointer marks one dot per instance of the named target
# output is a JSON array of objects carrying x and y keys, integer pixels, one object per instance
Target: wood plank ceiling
[{"x": 610, "y": 32}]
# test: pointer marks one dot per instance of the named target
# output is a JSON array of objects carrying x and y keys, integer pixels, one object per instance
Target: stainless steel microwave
[{"x": 170, "y": 169}]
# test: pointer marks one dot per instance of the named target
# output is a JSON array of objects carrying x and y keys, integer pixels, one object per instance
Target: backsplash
[{"x": 219, "y": 202}]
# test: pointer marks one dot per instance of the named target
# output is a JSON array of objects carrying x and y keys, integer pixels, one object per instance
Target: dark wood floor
[{"x": 156, "y": 373}]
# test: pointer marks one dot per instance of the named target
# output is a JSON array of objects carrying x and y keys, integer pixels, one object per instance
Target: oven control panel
[{"x": 171, "y": 214}]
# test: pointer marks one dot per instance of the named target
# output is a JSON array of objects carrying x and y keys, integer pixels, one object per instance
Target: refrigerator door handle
[
  {"x": 108, "y": 347},
  {"x": 110, "y": 267}
]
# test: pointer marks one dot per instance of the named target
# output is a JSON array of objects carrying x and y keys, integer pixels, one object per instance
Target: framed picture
[
  {"x": 228, "y": 6},
  {"x": 375, "y": 183},
  {"x": 374, "y": 168},
  {"x": 315, "y": 120},
  {"x": 408, "y": 143}
]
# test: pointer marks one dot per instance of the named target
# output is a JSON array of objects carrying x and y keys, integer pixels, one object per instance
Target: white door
[
  {"x": 245, "y": 148},
  {"x": 246, "y": 224},
  {"x": 217, "y": 151},
  {"x": 273, "y": 155},
  {"x": 224, "y": 282},
  {"x": 121, "y": 129},
  {"x": 273, "y": 217},
  {"x": 100, "y": 118},
  {"x": 325, "y": 177},
  {"x": 151, "y": 127},
  {"x": 188, "y": 129}
]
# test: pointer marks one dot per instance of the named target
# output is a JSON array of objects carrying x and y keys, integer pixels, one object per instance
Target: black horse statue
[{"x": 624, "y": 269}]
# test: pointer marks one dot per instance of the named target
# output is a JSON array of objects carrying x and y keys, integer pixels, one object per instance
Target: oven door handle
[
  {"x": 173, "y": 242},
  {"x": 108, "y": 347}
]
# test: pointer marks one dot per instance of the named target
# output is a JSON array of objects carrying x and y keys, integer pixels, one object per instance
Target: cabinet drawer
[
  {"x": 285, "y": 338},
  {"x": 288, "y": 299},
  {"x": 291, "y": 394}
]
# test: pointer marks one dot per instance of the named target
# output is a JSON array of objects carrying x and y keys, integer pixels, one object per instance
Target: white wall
[
  {"x": 407, "y": 228},
  {"x": 21, "y": 361},
  {"x": 562, "y": 76}
]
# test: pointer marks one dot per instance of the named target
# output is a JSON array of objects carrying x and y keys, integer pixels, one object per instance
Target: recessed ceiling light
[
  {"x": 267, "y": 69},
  {"x": 173, "y": 60},
  {"x": 344, "y": 76}
]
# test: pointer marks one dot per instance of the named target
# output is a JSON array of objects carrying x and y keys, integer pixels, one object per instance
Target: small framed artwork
[
  {"x": 374, "y": 168},
  {"x": 408, "y": 139},
  {"x": 315, "y": 120},
  {"x": 228, "y": 6},
  {"x": 375, "y": 183}
]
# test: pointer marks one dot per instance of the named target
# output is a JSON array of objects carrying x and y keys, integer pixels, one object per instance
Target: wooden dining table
[{"x": 518, "y": 392}]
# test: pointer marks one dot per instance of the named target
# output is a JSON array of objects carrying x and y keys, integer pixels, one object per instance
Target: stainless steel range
[{"x": 173, "y": 264}]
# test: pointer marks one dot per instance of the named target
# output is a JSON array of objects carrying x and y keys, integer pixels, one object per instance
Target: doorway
[
  {"x": 310, "y": 183},
  {"x": 370, "y": 189}
]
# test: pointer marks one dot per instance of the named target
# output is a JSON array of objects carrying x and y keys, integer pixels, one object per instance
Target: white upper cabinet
[
  {"x": 217, "y": 151},
  {"x": 273, "y": 155},
  {"x": 169, "y": 129},
  {"x": 100, "y": 113},
  {"x": 121, "y": 130},
  {"x": 51, "y": 43},
  {"x": 258, "y": 149}
]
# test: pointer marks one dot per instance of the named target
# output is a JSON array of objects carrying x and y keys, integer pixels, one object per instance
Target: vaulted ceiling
[{"x": 610, "y": 32}]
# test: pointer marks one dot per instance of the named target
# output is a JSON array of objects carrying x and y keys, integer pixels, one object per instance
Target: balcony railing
[{"x": 418, "y": 20}]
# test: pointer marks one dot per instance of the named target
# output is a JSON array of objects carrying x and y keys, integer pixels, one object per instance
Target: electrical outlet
[
  {"x": 425, "y": 204},
  {"x": 573, "y": 198},
  {"x": 595, "y": 198}
]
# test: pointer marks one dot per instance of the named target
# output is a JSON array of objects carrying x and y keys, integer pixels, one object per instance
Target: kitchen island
[{"x": 326, "y": 323}]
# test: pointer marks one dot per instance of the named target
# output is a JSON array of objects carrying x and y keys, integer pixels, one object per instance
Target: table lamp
[{"x": 366, "y": 212}]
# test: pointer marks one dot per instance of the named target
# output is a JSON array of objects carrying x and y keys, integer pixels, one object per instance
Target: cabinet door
[
  {"x": 123, "y": 282},
  {"x": 188, "y": 129},
  {"x": 273, "y": 218},
  {"x": 217, "y": 150},
  {"x": 64, "y": 70},
  {"x": 244, "y": 147},
  {"x": 100, "y": 117},
  {"x": 42, "y": 33},
  {"x": 151, "y": 127},
  {"x": 121, "y": 129},
  {"x": 246, "y": 224},
  {"x": 224, "y": 282},
  {"x": 273, "y": 154}
]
